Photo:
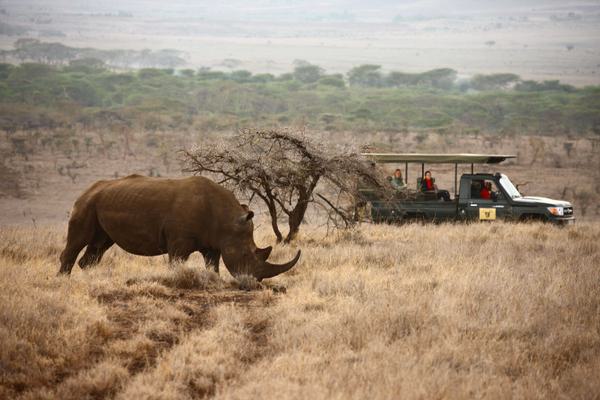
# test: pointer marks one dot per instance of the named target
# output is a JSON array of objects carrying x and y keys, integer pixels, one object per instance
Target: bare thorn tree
[{"x": 284, "y": 169}]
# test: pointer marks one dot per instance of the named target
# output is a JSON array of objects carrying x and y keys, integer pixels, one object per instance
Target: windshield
[{"x": 511, "y": 190}]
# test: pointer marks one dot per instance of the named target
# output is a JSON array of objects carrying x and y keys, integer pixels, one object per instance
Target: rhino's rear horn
[
  {"x": 263, "y": 254},
  {"x": 268, "y": 270}
]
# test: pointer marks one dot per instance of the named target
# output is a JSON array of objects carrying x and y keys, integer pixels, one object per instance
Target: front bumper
[{"x": 562, "y": 221}]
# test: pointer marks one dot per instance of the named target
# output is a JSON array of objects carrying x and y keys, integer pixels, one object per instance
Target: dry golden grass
[{"x": 433, "y": 311}]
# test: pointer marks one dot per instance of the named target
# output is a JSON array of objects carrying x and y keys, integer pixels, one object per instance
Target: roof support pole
[
  {"x": 472, "y": 170},
  {"x": 406, "y": 172},
  {"x": 422, "y": 170},
  {"x": 455, "y": 179}
]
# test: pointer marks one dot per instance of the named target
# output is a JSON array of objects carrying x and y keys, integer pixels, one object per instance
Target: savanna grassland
[
  {"x": 101, "y": 90},
  {"x": 413, "y": 311}
]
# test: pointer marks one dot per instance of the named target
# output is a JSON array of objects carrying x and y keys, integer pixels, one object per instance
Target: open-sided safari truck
[{"x": 501, "y": 200}]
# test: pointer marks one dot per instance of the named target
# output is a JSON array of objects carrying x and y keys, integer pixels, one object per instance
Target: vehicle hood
[{"x": 541, "y": 201}]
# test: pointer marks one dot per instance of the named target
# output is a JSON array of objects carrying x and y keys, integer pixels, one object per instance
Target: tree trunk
[
  {"x": 273, "y": 214},
  {"x": 296, "y": 217},
  {"x": 294, "y": 223}
]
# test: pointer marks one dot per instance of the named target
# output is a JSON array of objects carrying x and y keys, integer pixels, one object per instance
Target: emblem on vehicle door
[{"x": 487, "y": 213}]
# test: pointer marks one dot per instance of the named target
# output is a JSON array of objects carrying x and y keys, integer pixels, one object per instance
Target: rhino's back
[
  {"x": 138, "y": 212},
  {"x": 138, "y": 194}
]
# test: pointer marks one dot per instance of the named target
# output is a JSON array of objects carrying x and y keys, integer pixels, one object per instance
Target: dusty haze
[{"x": 535, "y": 39}]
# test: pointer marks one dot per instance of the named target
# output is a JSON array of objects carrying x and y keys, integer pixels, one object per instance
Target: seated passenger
[
  {"x": 397, "y": 181},
  {"x": 427, "y": 185},
  {"x": 486, "y": 191}
]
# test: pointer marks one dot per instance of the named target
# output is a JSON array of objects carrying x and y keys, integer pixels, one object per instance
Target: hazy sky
[
  {"x": 537, "y": 39},
  {"x": 311, "y": 9}
]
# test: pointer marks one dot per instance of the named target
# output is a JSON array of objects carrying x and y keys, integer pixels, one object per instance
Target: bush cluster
[{"x": 365, "y": 99}]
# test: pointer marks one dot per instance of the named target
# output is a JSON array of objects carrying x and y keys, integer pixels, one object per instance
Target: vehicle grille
[{"x": 568, "y": 211}]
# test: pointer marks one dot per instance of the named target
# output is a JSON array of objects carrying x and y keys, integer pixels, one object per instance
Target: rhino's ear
[{"x": 247, "y": 217}]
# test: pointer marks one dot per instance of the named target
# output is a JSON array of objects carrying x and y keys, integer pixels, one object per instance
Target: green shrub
[{"x": 396, "y": 101}]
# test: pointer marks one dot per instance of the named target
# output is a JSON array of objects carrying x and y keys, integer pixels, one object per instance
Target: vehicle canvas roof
[{"x": 461, "y": 158}]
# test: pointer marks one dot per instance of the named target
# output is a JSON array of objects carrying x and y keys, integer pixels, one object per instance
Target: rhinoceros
[{"x": 153, "y": 216}]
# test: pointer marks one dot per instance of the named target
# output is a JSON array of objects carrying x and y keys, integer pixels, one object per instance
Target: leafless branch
[{"x": 283, "y": 169}]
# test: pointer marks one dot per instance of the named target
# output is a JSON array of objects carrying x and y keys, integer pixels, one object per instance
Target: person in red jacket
[
  {"x": 486, "y": 191},
  {"x": 427, "y": 185}
]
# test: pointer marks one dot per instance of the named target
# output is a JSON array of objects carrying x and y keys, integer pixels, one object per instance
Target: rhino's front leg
[
  {"x": 211, "y": 259},
  {"x": 179, "y": 250}
]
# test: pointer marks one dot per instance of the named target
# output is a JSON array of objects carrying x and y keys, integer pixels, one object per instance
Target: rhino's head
[{"x": 242, "y": 257}]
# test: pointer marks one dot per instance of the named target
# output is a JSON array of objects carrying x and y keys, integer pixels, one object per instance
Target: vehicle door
[{"x": 487, "y": 202}]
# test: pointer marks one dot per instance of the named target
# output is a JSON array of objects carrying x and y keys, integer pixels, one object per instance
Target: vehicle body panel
[{"x": 505, "y": 205}]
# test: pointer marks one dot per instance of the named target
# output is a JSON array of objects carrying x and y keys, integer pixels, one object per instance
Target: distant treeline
[
  {"x": 33, "y": 50},
  {"x": 34, "y": 95}
]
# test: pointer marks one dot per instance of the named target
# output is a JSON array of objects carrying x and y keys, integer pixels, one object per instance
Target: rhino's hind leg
[
  {"x": 211, "y": 259},
  {"x": 80, "y": 233},
  {"x": 96, "y": 249},
  {"x": 69, "y": 255}
]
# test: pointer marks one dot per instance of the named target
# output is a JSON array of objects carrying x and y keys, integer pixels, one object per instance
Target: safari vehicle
[{"x": 502, "y": 200}]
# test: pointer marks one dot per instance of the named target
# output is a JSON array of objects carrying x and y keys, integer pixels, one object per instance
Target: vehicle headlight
[{"x": 558, "y": 211}]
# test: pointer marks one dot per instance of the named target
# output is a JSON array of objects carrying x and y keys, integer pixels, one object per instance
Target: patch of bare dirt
[{"x": 126, "y": 339}]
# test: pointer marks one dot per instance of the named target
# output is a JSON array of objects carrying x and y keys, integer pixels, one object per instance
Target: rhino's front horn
[{"x": 268, "y": 270}]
